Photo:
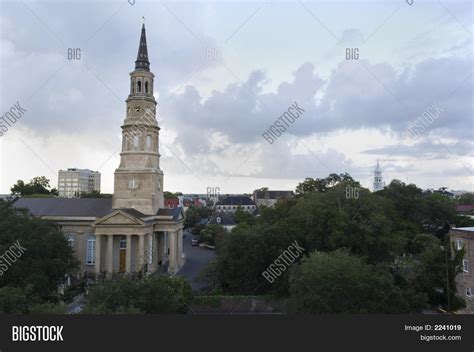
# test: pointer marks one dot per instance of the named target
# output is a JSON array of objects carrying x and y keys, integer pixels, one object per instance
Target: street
[{"x": 196, "y": 259}]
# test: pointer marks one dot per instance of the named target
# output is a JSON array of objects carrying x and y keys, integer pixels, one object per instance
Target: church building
[{"x": 132, "y": 231}]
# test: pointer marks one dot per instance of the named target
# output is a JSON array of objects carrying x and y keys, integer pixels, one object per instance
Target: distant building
[
  {"x": 171, "y": 203},
  {"x": 8, "y": 197},
  {"x": 224, "y": 219},
  {"x": 459, "y": 193},
  {"x": 231, "y": 203},
  {"x": 464, "y": 237},
  {"x": 465, "y": 208},
  {"x": 378, "y": 180},
  {"x": 194, "y": 202},
  {"x": 442, "y": 190},
  {"x": 270, "y": 198},
  {"x": 72, "y": 182}
]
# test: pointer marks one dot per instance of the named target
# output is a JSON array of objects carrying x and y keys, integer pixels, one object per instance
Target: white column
[
  {"x": 141, "y": 252},
  {"x": 128, "y": 259},
  {"x": 110, "y": 253},
  {"x": 180, "y": 247},
  {"x": 173, "y": 264},
  {"x": 97, "y": 253}
]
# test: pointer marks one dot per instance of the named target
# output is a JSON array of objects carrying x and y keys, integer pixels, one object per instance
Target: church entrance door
[{"x": 123, "y": 255}]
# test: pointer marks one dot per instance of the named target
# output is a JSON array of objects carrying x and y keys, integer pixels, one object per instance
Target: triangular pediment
[{"x": 119, "y": 217}]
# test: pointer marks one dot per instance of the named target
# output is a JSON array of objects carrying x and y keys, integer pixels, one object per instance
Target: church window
[
  {"x": 90, "y": 253},
  {"x": 465, "y": 265},
  {"x": 146, "y": 87},
  {"x": 148, "y": 142},
  {"x": 139, "y": 86},
  {"x": 70, "y": 241}
]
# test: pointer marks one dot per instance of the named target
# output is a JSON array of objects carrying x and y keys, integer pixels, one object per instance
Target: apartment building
[{"x": 72, "y": 182}]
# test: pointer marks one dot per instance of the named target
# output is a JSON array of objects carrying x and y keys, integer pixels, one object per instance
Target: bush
[
  {"x": 338, "y": 282},
  {"x": 15, "y": 300},
  {"x": 150, "y": 295}
]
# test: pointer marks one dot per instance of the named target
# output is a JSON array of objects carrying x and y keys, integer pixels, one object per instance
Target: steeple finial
[{"x": 142, "y": 62}]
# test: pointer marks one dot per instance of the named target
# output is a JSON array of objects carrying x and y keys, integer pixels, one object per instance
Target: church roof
[
  {"x": 133, "y": 212},
  {"x": 82, "y": 207},
  {"x": 72, "y": 207},
  {"x": 142, "y": 63},
  {"x": 174, "y": 212},
  {"x": 221, "y": 218}
]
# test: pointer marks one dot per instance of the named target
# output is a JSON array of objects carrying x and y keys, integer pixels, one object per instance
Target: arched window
[
  {"x": 139, "y": 86},
  {"x": 146, "y": 86},
  {"x": 133, "y": 86},
  {"x": 90, "y": 253}
]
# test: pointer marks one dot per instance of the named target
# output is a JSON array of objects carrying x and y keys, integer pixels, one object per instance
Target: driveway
[{"x": 196, "y": 259}]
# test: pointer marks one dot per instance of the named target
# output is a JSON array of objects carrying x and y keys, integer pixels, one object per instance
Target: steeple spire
[{"x": 142, "y": 62}]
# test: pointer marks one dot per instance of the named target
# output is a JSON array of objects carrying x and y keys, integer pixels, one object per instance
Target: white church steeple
[{"x": 378, "y": 181}]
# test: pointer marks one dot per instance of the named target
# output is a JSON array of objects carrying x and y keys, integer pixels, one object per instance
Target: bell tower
[
  {"x": 138, "y": 181},
  {"x": 378, "y": 181}
]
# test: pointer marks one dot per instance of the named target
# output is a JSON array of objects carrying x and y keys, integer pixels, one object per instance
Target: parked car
[{"x": 195, "y": 241}]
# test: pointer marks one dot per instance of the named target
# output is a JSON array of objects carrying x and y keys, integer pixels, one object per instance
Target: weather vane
[{"x": 143, "y": 19}]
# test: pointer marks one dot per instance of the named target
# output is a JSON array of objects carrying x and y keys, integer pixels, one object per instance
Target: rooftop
[
  {"x": 81, "y": 207},
  {"x": 236, "y": 200},
  {"x": 467, "y": 229},
  {"x": 273, "y": 194},
  {"x": 71, "y": 207}
]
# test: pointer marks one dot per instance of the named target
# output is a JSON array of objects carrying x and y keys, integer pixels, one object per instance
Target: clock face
[{"x": 133, "y": 184}]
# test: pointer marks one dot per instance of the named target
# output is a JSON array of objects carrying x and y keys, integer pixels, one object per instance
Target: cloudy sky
[{"x": 225, "y": 71}]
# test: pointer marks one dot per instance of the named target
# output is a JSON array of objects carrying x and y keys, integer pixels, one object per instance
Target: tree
[
  {"x": 46, "y": 257},
  {"x": 196, "y": 230},
  {"x": 432, "y": 270},
  {"x": 151, "y": 295},
  {"x": 94, "y": 194},
  {"x": 37, "y": 185},
  {"x": 171, "y": 195},
  {"x": 466, "y": 199},
  {"x": 242, "y": 216},
  {"x": 338, "y": 282},
  {"x": 239, "y": 262},
  {"x": 164, "y": 295},
  {"x": 399, "y": 229},
  {"x": 212, "y": 234},
  {"x": 310, "y": 185},
  {"x": 195, "y": 215},
  {"x": 14, "y": 300}
]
